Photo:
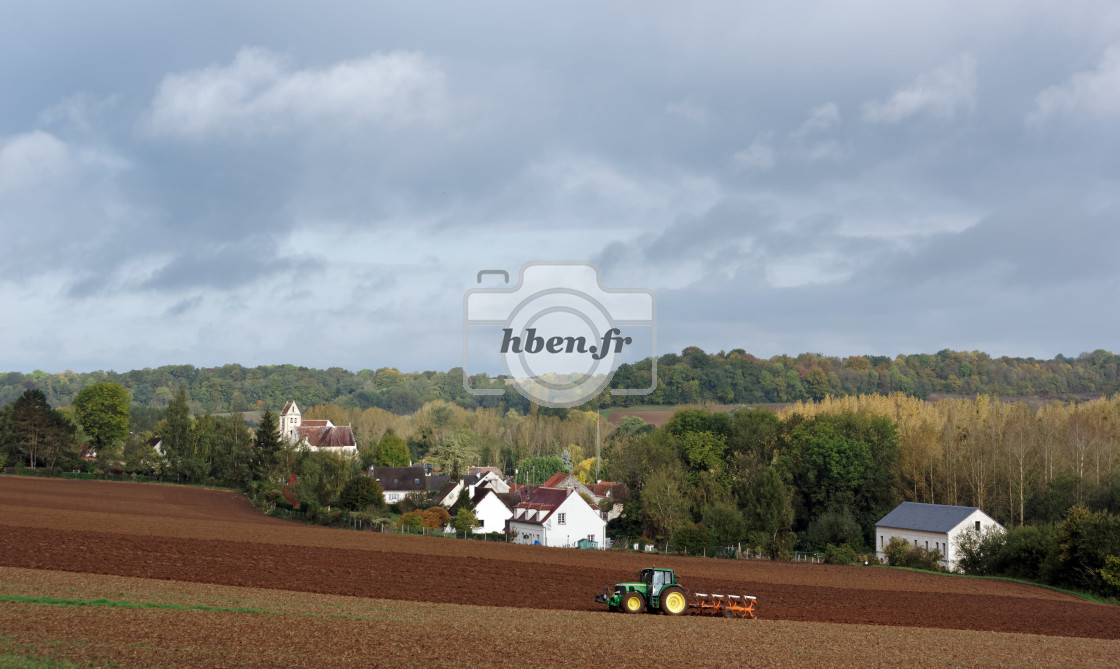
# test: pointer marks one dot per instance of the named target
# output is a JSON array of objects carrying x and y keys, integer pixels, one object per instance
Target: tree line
[
  {"x": 692, "y": 376},
  {"x": 812, "y": 476}
]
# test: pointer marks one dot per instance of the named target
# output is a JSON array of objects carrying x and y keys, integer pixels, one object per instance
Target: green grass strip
[
  {"x": 10, "y": 661},
  {"x": 1076, "y": 593},
  {"x": 57, "y": 601}
]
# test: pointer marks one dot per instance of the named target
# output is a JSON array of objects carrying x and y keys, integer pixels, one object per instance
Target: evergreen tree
[
  {"x": 38, "y": 431},
  {"x": 267, "y": 446}
]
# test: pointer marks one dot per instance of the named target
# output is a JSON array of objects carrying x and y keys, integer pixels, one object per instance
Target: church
[{"x": 316, "y": 435}]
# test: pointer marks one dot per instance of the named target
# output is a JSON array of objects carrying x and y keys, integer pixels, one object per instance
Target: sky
[{"x": 320, "y": 183}]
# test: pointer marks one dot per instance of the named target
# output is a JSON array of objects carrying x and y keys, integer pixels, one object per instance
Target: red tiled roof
[
  {"x": 604, "y": 489},
  {"x": 289, "y": 405},
  {"x": 328, "y": 437},
  {"x": 555, "y": 480},
  {"x": 315, "y": 423},
  {"x": 483, "y": 470},
  {"x": 544, "y": 501}
]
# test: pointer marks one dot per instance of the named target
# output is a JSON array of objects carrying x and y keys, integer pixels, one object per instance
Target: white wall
[
  {"x": 492, "y": 513},
  {"x": 931, "y": 540},
  {"x": 946, "y": 542},
  {"x": 580, "y": 522}
]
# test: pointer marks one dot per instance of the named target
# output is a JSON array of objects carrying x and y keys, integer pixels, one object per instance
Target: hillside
[{"x": 693, "y": 376}]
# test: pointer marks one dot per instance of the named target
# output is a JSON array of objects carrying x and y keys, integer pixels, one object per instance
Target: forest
[{"x": 691, "y": 377}]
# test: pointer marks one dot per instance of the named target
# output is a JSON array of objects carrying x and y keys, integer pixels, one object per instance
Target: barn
[{"x": 931, "y": 526}]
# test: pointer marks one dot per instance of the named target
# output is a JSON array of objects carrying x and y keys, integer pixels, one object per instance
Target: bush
[
  {"x": 900, "y": 553},
  {"x": 465, "y": 521},
  {"x": 845, "y": 554},
  {"x": 435, "y": 517},
  {"x": 412, "y": 520},
  {"x": 416, "y": 501}
]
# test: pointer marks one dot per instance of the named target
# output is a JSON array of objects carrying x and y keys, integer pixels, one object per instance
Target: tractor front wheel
[
  {"x": 673, "y": 602},
  {"x": 633, "y": 602}
]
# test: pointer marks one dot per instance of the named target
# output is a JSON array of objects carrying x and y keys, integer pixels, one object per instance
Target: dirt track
[{"x": 204, "y": 536}]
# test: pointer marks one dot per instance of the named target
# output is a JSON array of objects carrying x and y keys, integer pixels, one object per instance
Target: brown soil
[
  {"x": 215, "y": 537},
  {"x": 303, "y": 629}
]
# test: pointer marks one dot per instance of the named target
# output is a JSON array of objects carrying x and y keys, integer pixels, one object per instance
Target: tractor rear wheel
[
  {"x": 673, "y": 601},
  {"x": 633, "y": 602}
]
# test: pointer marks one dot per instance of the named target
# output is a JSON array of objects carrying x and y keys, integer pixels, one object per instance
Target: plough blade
[{"x": 728, "y": 606}]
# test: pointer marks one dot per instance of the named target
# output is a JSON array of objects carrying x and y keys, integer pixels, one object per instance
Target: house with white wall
[
  {"x": 933, "y": 527},
  {"x": 397, "y": 482},
  {"x": 557, "y": 517},
  {"x": 493, "y": 509}
]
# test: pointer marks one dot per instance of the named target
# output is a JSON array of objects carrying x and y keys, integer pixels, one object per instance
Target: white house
[
  {"x": 316, "y": 435},
  {"x": 483, "y": 478},
  {"x": 931, "y": 526},
  {"x": 555, "y": 517},
  {"x": 493, "y": 509}
]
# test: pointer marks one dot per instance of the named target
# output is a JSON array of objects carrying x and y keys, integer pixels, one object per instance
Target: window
[
  {"x": 880, "y": 541},
  {"x": 591, "y": 537},
  {"x": 978, "y": 526},
  {"x": 560, "y": 520},
  {"x": 927, "y": 545},
  {"x": 481, "y": 523}
]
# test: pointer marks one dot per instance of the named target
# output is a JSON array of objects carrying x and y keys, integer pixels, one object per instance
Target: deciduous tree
[{"x": 102, "y": 411}]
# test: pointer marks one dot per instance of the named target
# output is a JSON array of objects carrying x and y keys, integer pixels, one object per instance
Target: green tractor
[{"x": 655, "y": 591}]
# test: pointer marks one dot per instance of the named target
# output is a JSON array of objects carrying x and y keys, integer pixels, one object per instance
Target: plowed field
[{"x": 214, "y": 537}]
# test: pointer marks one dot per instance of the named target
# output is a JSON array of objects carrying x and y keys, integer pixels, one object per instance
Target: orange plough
[{"x": 728, "y": 606}]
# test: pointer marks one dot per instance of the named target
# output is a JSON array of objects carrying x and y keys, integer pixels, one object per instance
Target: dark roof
[
  {"x": 445, "y": 489},
  {"x": 926, "y": 517},
  {"x": 153, "y": 441},
  {"x": 438, "y": 482},
  {"x": 510, "y": 499},
  {"x": 479, "y": 493},
  {"x": 400, "y": 478},
  {"x": 289, "y": 405}
]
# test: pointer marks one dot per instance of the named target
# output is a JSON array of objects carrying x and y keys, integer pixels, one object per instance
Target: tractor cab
[{"x": 656, "y": 580}]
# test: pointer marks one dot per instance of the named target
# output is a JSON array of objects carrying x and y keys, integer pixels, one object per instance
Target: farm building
[
  {"x": 931, "y": 526},
  {"x": 555, "y": 517}
]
